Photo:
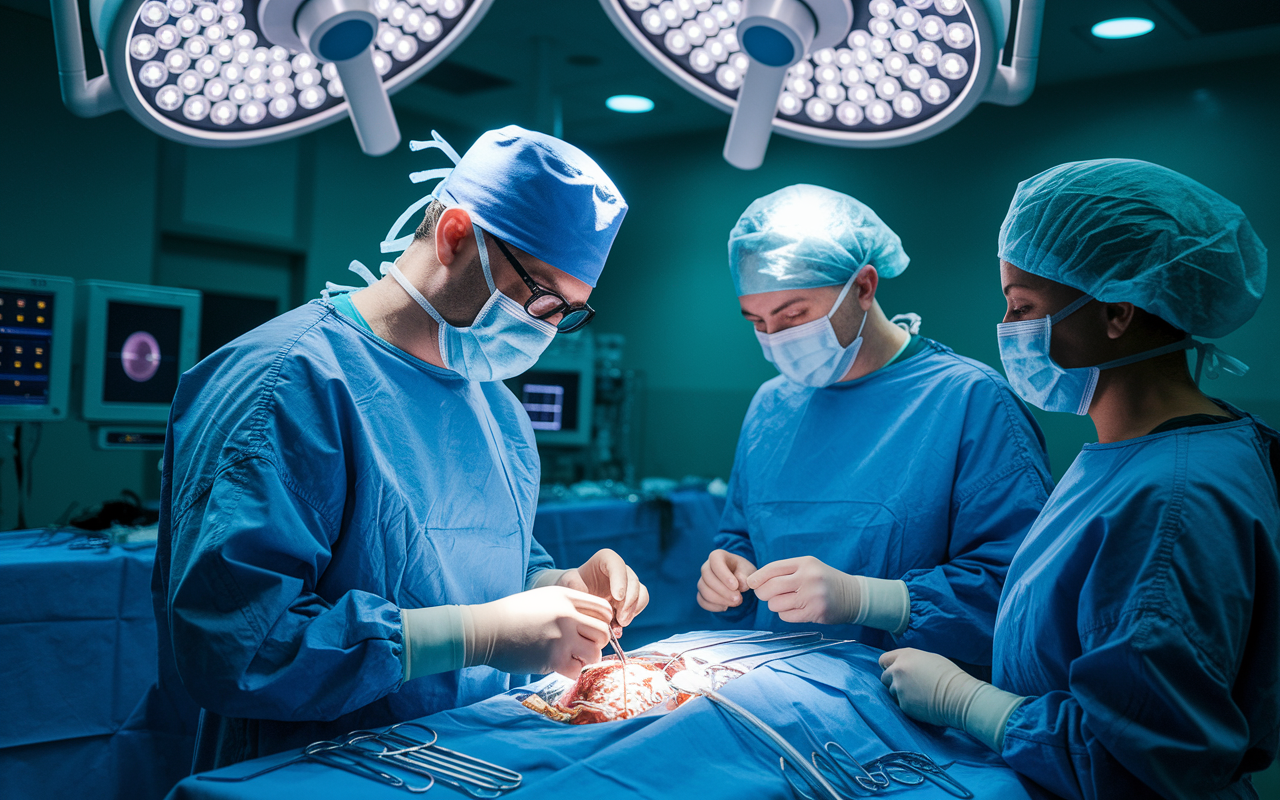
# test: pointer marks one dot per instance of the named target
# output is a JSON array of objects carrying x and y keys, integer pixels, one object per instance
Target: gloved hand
[
  {"x": 606, "y": 575},
  {"x": 552, "y": 629},
  {"x": 931, "y": 689},
  {"x": 806, "y": 589},
  {"x": 724, "y": 579}
]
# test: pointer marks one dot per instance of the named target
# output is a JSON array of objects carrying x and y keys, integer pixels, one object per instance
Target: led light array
[
  {"x": 206, "y": 64},
  {"x": 905, "y": 60}
]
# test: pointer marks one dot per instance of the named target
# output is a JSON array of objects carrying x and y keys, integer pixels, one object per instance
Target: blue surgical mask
[
  {"x": 502, "y": 342},
  {"x": 811, "y": 354},
  {"x": 1037, "y": 378}
]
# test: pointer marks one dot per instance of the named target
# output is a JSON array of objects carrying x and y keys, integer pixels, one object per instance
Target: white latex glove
[
  {"x": 806, "y": 589},
  {"x": 724, "y": 579},
  {"x": 931, "y": 689},
  {"x": 606, "y": 575},
  {"x": 552, "y": 629}
]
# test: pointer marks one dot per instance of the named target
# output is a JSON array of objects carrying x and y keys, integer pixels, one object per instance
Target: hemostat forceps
[
  {"x": 900, "y": 767},
  {"x": 467, "y": 774},
  {"x": 370, "y": 754}
]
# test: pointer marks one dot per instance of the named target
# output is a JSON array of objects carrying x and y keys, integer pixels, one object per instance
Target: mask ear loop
[
  {"x": 484, "y": 258},
  {"x": 843, "y": 294},
  {"x": 840, "y": 299},
  {"x": 1070, "y": 309}
]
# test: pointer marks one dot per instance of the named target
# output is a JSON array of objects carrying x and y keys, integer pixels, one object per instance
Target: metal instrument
[
  {"x": 903, "y": 768},
  {"x": 617, "y": 648},
  {"x": 370, "y": 754},
  {"x": 836, "y": 775},
  {"x": 686, "y": 681},
  {"x": 756, "y": 637},
  {"x": 468, "y": 774},
  {"x": 622, "y": 657}
]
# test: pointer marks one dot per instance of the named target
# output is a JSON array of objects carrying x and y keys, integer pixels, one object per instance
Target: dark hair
[
  {"x": 1158, "y": 325},
  {"x": 427, "y": 228}
]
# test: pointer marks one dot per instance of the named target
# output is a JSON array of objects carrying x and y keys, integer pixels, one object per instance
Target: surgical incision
[{"x": 599, "y": 695}]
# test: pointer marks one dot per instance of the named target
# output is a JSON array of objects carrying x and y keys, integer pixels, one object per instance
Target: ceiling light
[
  {"x": 1123, "y": 28},
  {"x": 629, "y": 104},
  {"x": 950, "y": 49},
  {"x": 331, "y": 58}
]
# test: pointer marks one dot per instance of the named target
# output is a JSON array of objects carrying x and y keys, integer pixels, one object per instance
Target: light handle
[
  {"x": 752, "y": 121},
  {"x": 775, "y": 34},
  {"x": 371, "y": 113},
  {"x": 341, "y": 31}
]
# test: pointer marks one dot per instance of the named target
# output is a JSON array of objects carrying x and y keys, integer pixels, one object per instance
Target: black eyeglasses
[{"x": 544, "y": 303}]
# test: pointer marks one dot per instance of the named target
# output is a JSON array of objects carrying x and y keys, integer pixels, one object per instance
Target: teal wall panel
[
  {"x": 667, "y": 285},
  {"x": 249, "y": 190},
  {"x": 90, "y": 199},
  {"x": 77, "y": 198}
]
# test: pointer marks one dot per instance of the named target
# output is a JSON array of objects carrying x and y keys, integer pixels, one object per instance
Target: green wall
[
  {"x": 92, "y": 199},
  {"x": 667, "y": 285}
]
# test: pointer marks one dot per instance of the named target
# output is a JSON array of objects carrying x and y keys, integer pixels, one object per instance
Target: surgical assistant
[
  {"x": 349, "y": 489},
  {"x": 882, "y": 483},
  {"x": 1137, "y": 648}
]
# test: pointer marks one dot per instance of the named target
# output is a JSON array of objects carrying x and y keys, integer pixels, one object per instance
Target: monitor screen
[
  {"x": 26, "y": 338},
  {"x": 142, "y": 353},
  {"x": 551, "y": 399}
]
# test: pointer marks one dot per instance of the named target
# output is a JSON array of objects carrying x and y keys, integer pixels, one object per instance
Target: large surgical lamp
[
  {"x": 231, "y": 73},
  {"x": 856, "y": 74}
]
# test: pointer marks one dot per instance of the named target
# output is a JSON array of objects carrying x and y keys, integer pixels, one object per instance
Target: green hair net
[
  {"x": 1125, "y": 231},
  {"x": 805, "y": 236}
]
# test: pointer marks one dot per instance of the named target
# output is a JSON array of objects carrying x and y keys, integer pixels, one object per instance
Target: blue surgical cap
[
  {"x": 805, "y": 236},
  {"x": 1125, "y": 231},
  {"x": 542, "y": 195}
]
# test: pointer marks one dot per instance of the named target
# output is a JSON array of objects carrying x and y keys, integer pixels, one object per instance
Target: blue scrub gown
[
  {"x": 316, "y": 480},
  {"x": 1142, "y": 617},
  {"x": 929, "y": 470}
]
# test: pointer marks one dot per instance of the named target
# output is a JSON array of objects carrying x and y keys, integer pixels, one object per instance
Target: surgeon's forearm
[
  {"x": 434, "y": 640},
  {"x": 885, "y": 605}
]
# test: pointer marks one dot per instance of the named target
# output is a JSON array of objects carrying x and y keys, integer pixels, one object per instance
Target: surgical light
[
  {"x": 1123, "y": 28},
  {"x": 233, "y": 73},
  {"x": 629, "y": 104},
  {"x": 905, "y": 70}
]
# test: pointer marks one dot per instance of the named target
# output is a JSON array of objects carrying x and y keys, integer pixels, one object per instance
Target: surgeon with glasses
[{"x": 349, "y": 490}]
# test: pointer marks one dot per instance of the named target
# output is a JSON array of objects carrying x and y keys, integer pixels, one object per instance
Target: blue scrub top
[
  {"x": 929, "y": 470},
  {"x": 316, "y": 480},
  {"x": 1142, "y": 617}
]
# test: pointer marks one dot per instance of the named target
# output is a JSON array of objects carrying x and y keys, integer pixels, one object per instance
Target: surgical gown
[
  {"x": 316, "y": 480},
  {"x": 1142, "y": 617},
  {"x": 929, "y": 470}
]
